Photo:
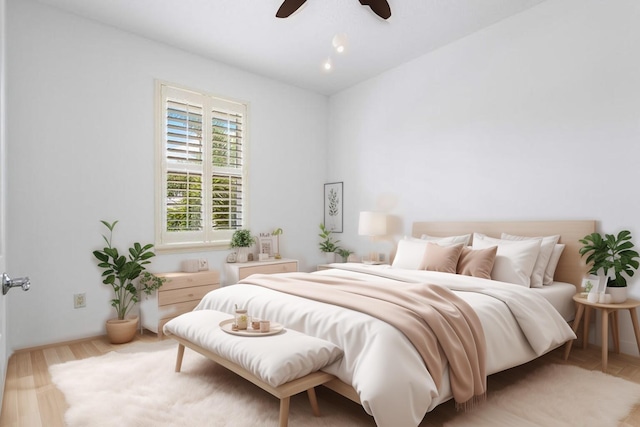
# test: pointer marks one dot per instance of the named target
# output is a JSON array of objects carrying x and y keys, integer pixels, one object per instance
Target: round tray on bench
[{"x": 226, "y": 325}]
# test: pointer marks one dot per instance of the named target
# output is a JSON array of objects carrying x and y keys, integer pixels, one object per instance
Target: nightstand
[
  {"x": 584, "y": 307},
  {"x": 239, "y": 270},
  {"x": 179, "y": 294}
]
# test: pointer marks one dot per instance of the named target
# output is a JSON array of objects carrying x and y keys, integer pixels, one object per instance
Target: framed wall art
[
  {"x": 267, "y": 244},
  {"x": 333, "y": 202}
]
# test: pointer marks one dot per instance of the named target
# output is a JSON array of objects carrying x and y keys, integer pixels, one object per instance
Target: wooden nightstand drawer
[
  {"x": 179, "y": 294},
  {"x": 287, "y": 267},
  {"x": 184, "y": 294},
  {"x": 238, "y": 271},
  {"x": 188, "y": 280},
  {"x": 174, "y": 310}
]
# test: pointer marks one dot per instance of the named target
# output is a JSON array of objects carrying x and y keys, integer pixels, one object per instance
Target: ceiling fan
[{"x": 379, "y": 7}]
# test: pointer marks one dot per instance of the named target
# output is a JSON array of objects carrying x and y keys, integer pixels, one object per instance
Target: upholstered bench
[{"x": 283, "y": 364}]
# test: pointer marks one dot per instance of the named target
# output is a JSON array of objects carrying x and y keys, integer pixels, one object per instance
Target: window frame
[{"x": 207, "y": 238}]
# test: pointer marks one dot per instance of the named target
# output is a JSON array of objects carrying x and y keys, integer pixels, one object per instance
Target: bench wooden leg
[
  {"x": 284, "y": 411},
  {"x": 313, "y": 400},
  {"x": 179, "y": 357}
]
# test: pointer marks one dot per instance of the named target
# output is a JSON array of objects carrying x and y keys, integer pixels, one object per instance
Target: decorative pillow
[
  {"x": 442, "y": 258},
  {"x": 477, "y": 263},
  {"x": 448, "y": 241},
  {"x": 553, "y": 263},
  {"x": 410, "y": 254},
  {"x": 514, "y": 259},
  {"x": 546, "y": 249}
]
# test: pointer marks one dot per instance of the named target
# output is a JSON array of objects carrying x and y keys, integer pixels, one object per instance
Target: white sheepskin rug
[
  {"x": 556, "y": 396},
  {"x": 143, "y": 389}
]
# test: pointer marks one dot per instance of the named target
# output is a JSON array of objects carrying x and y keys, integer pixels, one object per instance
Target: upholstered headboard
[{"x": 571, "y": 267}]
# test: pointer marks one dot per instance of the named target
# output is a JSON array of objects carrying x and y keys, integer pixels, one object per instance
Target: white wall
[
  {"x": 81, "y": 148},
  {"x": 536, "y": 117}
]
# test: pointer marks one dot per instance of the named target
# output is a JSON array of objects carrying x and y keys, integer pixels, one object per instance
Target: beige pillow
[
  {"x": 478, "y": 262},
  {"x": 442, "y": 258}
]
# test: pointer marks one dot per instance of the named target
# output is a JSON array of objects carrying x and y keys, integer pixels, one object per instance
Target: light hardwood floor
[{"x": 31, "y": 400}]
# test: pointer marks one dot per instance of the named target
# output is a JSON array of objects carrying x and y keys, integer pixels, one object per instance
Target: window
[{"x": 201, "y": 178}]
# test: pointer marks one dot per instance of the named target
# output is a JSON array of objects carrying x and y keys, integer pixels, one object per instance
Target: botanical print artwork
[{"x": 333, "y": 206}]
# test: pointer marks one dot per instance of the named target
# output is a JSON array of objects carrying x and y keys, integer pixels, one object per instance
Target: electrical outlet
[
  {"x": 203, "y": 264},
  {"x": 79, "y": 300}
]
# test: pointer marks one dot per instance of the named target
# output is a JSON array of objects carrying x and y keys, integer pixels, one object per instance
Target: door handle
[{"x": 8, "y": 283}]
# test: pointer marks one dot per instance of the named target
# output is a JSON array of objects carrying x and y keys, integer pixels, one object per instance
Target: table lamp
[{"x": 372, "y": 224}]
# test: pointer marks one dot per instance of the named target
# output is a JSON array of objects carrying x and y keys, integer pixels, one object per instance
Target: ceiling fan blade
[
  {"x": 379, "y": 7},
  {"x": 288, "y": 7}
]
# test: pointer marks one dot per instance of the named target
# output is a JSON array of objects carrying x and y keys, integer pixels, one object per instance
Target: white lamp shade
[{"x": 372, "y": 224}]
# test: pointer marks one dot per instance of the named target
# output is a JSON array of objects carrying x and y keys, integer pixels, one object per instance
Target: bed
[{"x": 381, "y": 369}]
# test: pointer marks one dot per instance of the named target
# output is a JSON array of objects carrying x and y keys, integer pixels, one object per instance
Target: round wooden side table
[{"x": 584, "y": 307}]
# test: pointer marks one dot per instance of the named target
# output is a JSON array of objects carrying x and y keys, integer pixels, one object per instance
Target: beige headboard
[{"x": 571, "y": 267}]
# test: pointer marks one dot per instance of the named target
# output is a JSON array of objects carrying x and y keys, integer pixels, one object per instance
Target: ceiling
[{"x": 246, "y": 34}]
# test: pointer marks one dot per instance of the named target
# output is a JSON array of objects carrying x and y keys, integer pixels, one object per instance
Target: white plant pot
[
  {"x": 243, "y": 254},
  {"x": 331, "y": 257},
  {"x": 618, "y": 294}
]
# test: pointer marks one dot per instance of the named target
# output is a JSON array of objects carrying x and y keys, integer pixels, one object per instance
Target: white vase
[
  {"x": 331, "y": 257},
  {"x": 243, "y": 254},
  {"x": 618, "y": 294}
]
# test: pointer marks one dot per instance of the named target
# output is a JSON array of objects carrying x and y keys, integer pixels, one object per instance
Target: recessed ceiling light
[
  {"x": 339, "y": 42},
  {"x": 328, "y": 65}
]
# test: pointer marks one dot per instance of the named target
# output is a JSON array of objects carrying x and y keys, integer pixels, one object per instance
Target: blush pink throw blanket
[{"x": 440, "y": 325}]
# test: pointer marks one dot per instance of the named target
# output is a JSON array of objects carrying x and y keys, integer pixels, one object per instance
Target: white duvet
[{"x": 379, "y": 362}]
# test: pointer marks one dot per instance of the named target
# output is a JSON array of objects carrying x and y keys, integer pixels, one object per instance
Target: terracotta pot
[{"x": 122, "y": 331}]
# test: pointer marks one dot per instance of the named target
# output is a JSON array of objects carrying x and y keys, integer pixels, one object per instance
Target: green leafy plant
[
  {"x": 344, "y": 253},
  {"x": 120, "y": 271},
  {"x": 611, "y": 252},
  {"x": 327, "y": 244},
  {"x": 242, "y": 239},
  {"x": 588, "y": 286}
]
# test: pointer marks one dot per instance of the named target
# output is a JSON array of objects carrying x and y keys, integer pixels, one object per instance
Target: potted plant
[
  {"x": 344, "y": 253},
  {"x": 119, "y": 272},
  {"x": 614, "y": 257},
  {"x": 328, "y": 245},
  {"x": 242, "y": 239}
]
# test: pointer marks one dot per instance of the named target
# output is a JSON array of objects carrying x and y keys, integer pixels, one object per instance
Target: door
[{"x": 3, "y": 193}]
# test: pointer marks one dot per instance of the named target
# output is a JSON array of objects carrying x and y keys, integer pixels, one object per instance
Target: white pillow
[
  {"x": 448, "y": 241},
  {"x": 410, "y": 254},
  {"x": 553, "y": 263},
  {"x": 514, "y": 259},
  {"x": 276, "y": 359},
  {"x": 546, "y": 249}
]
